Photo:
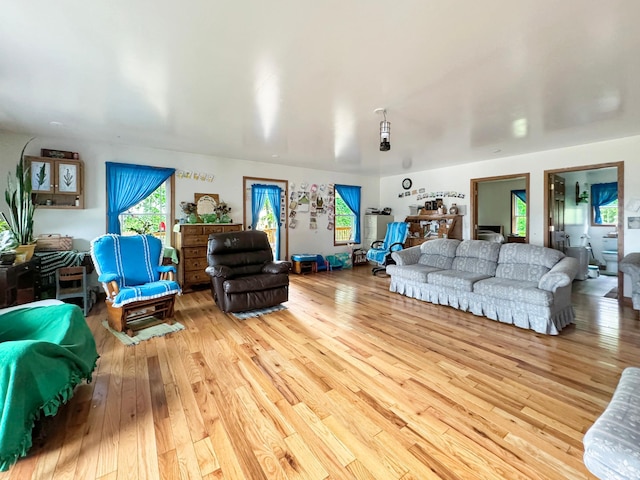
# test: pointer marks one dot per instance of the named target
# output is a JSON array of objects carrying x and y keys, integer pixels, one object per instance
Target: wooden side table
[{"x": 20, "y": 283}]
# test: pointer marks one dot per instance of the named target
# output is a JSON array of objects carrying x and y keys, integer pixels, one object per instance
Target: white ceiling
[{"x": 296, "y": 82}]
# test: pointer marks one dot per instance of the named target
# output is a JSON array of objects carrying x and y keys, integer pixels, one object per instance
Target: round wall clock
[{"x": 406, "y": 183}]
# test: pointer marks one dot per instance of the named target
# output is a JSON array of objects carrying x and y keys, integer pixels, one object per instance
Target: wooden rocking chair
[{"x": 135, "y": 281}]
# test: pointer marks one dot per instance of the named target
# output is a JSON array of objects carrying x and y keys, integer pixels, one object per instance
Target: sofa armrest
[
  {"x": 630, "y": 265},
  {"x": 408, "y": 256},
  {"x": 561, "y": 275},
  {"x": 276, "y": 267},
  {"x": 219, "y": 271}
]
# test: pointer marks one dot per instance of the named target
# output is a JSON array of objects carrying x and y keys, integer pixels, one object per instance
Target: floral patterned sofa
[
  {"x": 612, "y": 443},
  {"x": 521, "y": 284},
  {"x": 630, "y": 265}
]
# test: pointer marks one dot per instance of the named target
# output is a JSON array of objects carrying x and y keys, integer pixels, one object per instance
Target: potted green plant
[
  {"x": 8, "y": 244},
  {"x": 21, "y": 206}
]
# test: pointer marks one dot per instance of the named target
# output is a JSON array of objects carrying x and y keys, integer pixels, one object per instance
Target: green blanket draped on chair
[{"x": 44, "y": 353}]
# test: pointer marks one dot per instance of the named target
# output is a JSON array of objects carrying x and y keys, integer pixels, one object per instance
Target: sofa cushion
[
  {"x": 438, "y": 253},
  {"x": 525, "y": 262},
  {"x": 477, "y": 256},
  {"x": 147, "y": 291},
  {"x": 455, "y": 279},
  {"x": 506, "y": 289},
  {"x": 415, "y": 272}
]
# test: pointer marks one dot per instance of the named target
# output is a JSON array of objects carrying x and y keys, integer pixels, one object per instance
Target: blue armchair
[
  {"x": 136, "y": 283},
  {"x": 380, "y": 251}
]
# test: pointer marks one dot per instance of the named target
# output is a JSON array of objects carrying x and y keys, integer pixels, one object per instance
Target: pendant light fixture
[{"x": 385, "y": 131}]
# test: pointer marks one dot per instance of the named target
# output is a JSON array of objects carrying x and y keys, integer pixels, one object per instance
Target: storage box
[{"x": 53, "y": 242}]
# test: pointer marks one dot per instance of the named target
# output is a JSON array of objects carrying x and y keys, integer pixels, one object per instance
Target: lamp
[{"x": 385, "y": 131}]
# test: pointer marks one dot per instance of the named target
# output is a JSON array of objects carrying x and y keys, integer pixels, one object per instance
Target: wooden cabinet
[
  {"x": 57, "y": 182},
  {"x": 20, "y": 283},
  {"x": 191, "y": 242},
  {"x": 430, "y": 226},
  {"x": 374, "y": 228}
]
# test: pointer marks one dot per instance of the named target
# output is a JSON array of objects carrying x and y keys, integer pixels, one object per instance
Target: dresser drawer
[
  {"x": 213, "y": 229},
  {"x": 195, "y": 277},
  {"x": 191, "y": 264},
  {"x": 195, "y": 240},
  {"x": 194, "y": 252},
  {"x": 221, "y": 228},
  {"x": 188, "y": 230}
]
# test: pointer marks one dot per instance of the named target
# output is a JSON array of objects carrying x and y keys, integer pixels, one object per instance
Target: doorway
[
  {"x": 272, "y": 217},
  {"x": 572, "y": 224},
  {"x": 499, "y": 205}
]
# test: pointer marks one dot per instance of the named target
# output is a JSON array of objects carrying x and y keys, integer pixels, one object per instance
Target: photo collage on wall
[
  {"x": 283, "y": 208},
  {"x": 312, "y": 199},
  {"x": 421, "y": 194}
]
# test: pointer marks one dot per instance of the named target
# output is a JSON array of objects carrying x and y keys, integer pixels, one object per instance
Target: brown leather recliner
[{"x": 243, "y": 273}]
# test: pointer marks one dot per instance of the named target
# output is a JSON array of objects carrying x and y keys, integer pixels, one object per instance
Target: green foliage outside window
[
  {"x": 519, "y": 220},
  {"x": 344, "y": 215},
  {"x": 609, "y": 213},
  {"x": 146, "y": 216},
  {"x": 343, "y": 231},
  {"x": 267, "y": 219}
]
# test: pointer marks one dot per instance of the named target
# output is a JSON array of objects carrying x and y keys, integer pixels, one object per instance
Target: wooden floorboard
[{"x": 349, "y": 382}]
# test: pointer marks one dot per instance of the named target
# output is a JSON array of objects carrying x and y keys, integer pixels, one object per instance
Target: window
[
  {"x": 347, "y": 215},
  {"x": 128, "y": 185},
  {"x": 148, "y": 216},
  {"x": 604, "y": 203},
  {"x": 518, "y": 213},
  {"x": 608, "y": 214}
]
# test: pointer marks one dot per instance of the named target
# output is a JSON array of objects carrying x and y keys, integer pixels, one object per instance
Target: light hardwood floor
[{"x": 350, "y": 381}]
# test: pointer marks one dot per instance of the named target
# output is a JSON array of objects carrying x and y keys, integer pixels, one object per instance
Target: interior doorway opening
[
  {"x": 499, "y": 210},
  {"x": 572, "y": 227}
]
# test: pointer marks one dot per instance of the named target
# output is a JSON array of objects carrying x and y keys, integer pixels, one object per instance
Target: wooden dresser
[
  {"x": 191, "y": 242},
  {"x": 449, "y": 226}
]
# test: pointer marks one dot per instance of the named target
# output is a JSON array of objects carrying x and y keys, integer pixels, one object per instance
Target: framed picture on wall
[
  {"x": 41, "y": 176},
  {"x": 67, "y": 177}
]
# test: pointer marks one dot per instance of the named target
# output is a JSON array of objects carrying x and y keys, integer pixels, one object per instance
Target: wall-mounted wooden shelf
[{"x": 58, "y": 183}]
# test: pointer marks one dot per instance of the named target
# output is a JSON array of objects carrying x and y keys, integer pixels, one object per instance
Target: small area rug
[
  {"x": 143, "y": 334},
  {"x": 257, "y": 313}
]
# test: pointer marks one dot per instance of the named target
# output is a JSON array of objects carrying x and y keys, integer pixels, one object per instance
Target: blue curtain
[
  {"x": 259, "y": 195},
  {"x": 521, "y": 194},
  {"x": 351, "y": 196},
  {"x": 273, "y": 193},
  {"x": 602, "y": 194},
  {"x": 128, "y": 185}
]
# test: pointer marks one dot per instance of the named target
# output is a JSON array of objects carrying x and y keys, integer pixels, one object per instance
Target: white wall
[
  {"x": 457, "y": 178},
  {"x": 87, "y": 224},
  {"x": 495, "y": 201},
  {"x": 90, "y": 222}
]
